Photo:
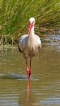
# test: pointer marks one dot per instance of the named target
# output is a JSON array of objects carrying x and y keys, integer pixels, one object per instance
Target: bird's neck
[
  {"x": 31, "y": 37},
  {"x": 32, "y": 32}
]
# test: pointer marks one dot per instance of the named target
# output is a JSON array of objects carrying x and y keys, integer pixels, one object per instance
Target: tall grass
[{"x": 14, "y": 15}]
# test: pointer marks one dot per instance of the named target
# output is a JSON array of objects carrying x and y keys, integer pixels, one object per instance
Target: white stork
[{"x": 29, "y": 45}]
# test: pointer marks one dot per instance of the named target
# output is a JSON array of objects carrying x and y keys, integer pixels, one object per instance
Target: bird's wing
[
  {"x": 38, "y": 41},
  {"x": 22, "y": 41},
  {"x": 23, "y": 36}
]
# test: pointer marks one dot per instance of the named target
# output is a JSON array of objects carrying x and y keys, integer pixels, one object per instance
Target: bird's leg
[
  {"x": 27, "y": 69},
  {"x": 30, "y": 68}
]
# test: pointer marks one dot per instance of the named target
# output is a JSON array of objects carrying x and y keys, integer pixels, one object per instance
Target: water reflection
[
  {"x": 27, "y": 99},
  {"x": 28, "y": 89}
]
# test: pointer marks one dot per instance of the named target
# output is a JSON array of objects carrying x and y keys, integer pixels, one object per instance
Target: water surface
[{"x": 44, "y": 87}]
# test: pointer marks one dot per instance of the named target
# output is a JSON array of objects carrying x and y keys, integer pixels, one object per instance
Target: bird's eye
[{"x": 33, "y": 22}]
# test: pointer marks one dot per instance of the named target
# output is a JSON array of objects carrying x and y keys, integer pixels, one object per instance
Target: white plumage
[{"x": 29, "y": 44}]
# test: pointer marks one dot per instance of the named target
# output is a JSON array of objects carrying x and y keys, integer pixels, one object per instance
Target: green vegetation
[{"x": 14, "y": 16}]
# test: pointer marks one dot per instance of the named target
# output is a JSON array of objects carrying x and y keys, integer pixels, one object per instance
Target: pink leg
[
  {"x": 27, "y": 69},
  {"x": 30, "y": 66}
]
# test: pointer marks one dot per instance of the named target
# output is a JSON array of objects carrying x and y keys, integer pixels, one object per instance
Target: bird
[{"x": 29, "y": 44}]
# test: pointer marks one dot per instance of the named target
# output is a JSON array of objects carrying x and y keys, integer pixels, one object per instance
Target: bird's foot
[{"x": 28, "y": 72}]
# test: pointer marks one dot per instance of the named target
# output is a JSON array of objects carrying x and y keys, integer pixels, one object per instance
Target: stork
[{"x": 29, "y": 44}]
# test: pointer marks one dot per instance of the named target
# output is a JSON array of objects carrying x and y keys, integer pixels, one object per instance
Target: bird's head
[{"x": 32, "y": 22}]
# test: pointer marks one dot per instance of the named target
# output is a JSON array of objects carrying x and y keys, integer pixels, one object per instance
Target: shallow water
[{"x": 44, "y": 87}]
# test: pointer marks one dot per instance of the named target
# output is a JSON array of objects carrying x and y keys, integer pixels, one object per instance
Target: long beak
[{"x": 30, "y": 26}]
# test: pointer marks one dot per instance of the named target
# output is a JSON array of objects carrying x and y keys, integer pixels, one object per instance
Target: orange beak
[{"x": 30, "y": 27}]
